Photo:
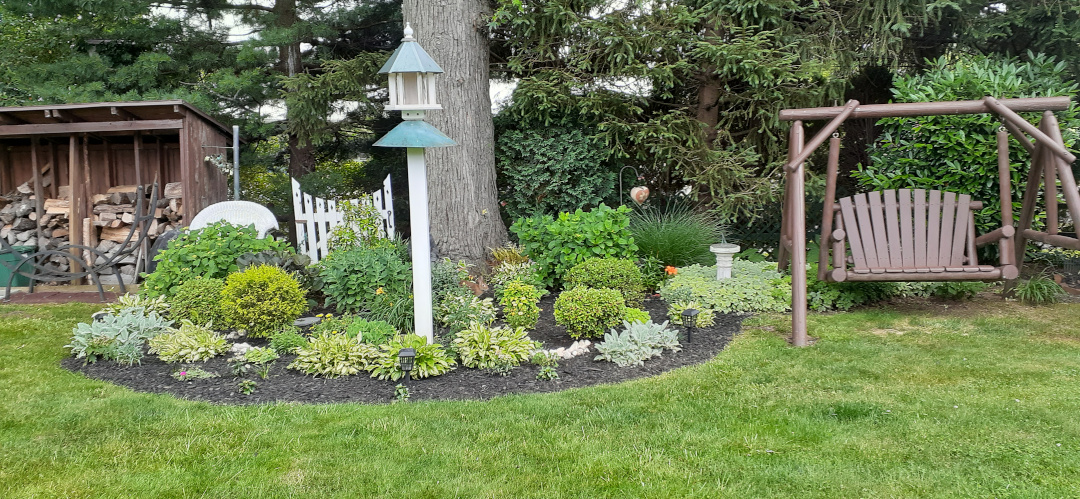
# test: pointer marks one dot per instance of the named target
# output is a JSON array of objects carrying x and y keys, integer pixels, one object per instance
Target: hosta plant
[
  {"x": 484, "y": 347},
  {"x": 333, "y": 355},
  {"x": 431, "y": 359},
  {"x": 262, "y": 299},
  {"x": 588, "y": 312},
  {"x": 188, "y": 343},
  {"x": 156, "y": 305},
  {"x": 118, "y": 337},
  {"x": 636, "y": 343}
]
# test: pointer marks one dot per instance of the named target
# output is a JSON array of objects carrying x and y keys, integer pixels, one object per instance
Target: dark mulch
[{"x": 286, "y": 385}]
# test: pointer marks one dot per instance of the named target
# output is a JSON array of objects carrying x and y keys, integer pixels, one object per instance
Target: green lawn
[{"x": 977, "y": 402}]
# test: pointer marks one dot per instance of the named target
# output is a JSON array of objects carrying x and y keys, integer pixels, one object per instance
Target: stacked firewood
[{"x": 110, "y": 222}]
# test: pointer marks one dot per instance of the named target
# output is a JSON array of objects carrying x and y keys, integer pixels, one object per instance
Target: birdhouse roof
[{"x": 410, "y": 57}]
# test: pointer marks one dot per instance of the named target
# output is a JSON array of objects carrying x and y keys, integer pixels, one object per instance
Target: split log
[
  {"x": 173, "y": 190},
  {"x": 99, "y": 199},
  {"x": 114, "y": 208},
  {"x": 57, "y": 206},
  {"x": 25, "y": 188},
  {"x": 64, "y": 192},
  {"x": 126, "y": 189},
  {"x": 115, "y": 234}
]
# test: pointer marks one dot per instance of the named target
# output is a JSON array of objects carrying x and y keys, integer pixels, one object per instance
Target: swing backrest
[{"x": 907, "y": 230}]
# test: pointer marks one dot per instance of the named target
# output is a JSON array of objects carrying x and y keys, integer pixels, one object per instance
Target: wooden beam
[
  {"x": 54, "y": 174},
  {"x": 159, "y": 174},
  {"x": 1009, "y": 115},
  {"x": 137, "y": 145},
  {"x": 89, "y": 127},
  {"x": 75, "y": 236},
  {"x": 121, "y": 113},
  {"x": 5, "y": 175},
  {"x": 39, "y": 193},
  {"x": 797, "y": 232},
  {"x": 926, "y": 109},
  {"x": 8, "y": 119},
  {"x": 793, "y": 163}
]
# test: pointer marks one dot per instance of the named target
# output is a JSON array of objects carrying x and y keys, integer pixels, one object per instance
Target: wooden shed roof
[{"x": 99, "y": 117}]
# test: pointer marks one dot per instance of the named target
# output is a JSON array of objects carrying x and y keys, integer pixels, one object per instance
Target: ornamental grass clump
[
  {"x": 588, "y": 312},
  {"x": 675, "y": 233},
  {"x": 483, "y": 347},
  {"x": 519, "y": 305},
  {"x": 1039, "y": 290},
  {"x": 262, "y": 299},
  {"x": 616, "y": 273},
  {"x": 199, "y": 301},
  {"x": 189, "y": 343}
]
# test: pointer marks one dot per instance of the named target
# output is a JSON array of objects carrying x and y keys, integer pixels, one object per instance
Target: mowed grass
[{"x": 886, "y": 404}]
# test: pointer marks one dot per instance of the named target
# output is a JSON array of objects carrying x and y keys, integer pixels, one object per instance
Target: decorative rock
[
  {"x": 579, "y": 347},
  {"x": 237, "y": 334},
  {"x": 307, "y": 321},
  {"x": 239, "y": 349}
]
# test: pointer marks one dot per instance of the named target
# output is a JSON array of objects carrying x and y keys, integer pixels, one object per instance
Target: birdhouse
[{"x": 411, "y": 73}]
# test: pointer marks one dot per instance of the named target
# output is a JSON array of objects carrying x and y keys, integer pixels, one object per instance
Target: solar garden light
[
  {"x": 411, "y": 81},
  {"x": 689, "y": 321},
  {"x": 406, "y": 356}
]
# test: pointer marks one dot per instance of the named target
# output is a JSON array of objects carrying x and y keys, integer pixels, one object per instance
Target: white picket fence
[{"x": 315, "y": 217}]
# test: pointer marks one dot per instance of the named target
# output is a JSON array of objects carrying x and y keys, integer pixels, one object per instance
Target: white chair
[{"x": 242, "y": 213}]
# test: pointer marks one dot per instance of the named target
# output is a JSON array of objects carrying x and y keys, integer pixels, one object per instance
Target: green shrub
[
  {"x": 548, "y": 363},
  {"x": 525, "y": 272},
  {"x": 676, "y": 234},
  {"x": 290, "y": 261},
  {"x": 446, "y": 275},
  {"x": 262, "y": 299},
  {"x": 482, "y": 347},
  {"x": 637, "y": 343},
  {"x": 189, "y": 343},
  {"x": 431, "y": 359},
  {"x": 148, "y": 305},
  {"x": 460, "y": 308},
  {"x": 510, "y": 254},
  {"x": 588, "y": 312},
  {"x": 1039, "y": 290},
  {"x": 616, "y": 273},
  {"x": 547, "y": 170},
  {"x": 653, "y": 273},
  {"x": 558, "y": 244},
  {"x": 395, "y": 310},
  {"x": 199, "y": 300},
  {"x": 287, "y": 340},
  {"x": 370, "y": 332},
  {"x": 208, "y": 252},
  {"x": 636, "y": 315},
  {"x": 519, "y": 305},
  {"x": 117, "y": 337},
  {"x": 333, "y": 355},
  {"x": 361, "y": 225},
  {"x": 958, "y": 152},
  {"x": 352, "y": 278},
  {"x": 753, "y": 287},
  {"x": 260, "y": 355}
]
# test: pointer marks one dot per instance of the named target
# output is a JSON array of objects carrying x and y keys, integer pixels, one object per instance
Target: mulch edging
[{"x": 286, "y": 385}]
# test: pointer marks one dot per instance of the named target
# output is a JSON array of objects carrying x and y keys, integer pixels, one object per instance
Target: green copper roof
[
  {"x": 415, "y": 134},
  {"x": 410, "y": 57}
]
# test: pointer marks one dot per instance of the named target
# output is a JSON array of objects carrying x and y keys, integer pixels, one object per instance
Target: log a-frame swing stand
[{"x": 916, "y": 234}]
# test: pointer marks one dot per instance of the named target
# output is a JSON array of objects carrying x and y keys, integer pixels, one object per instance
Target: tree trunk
[
  {"x": 708, "y": 112},
  {"x": 301, "y": 156},
  {"x": 464, "y": 202}
]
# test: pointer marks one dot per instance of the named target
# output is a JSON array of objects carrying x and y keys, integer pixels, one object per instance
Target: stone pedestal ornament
[{"x": 725, "y": 255}]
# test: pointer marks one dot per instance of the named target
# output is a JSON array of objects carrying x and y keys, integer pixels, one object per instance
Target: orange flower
[{"x": 671, "y": 270}]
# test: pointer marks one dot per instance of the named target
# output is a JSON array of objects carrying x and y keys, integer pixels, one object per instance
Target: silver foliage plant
[
  {"x": 119, "y": 337},
  {"x": 637, "y": 342}
]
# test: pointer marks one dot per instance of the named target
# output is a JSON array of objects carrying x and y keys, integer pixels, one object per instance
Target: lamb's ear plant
[
  {"x": 118, "y": 337},
  {"x": 637, "y": 343}
]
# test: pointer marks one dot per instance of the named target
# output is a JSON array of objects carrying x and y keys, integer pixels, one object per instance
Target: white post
[
  {"x": 236, "y": 161},
  {"x": 421, "y": 251}
]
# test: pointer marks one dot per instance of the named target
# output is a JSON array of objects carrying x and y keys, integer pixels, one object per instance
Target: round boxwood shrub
[
  {"x": 199, "y": 301},
  {"x": 589, "y": 312},
  {"x": 262, "y": 299},
  {"x": 620, "y": 274},
  {"x": 519, "y": 304}
]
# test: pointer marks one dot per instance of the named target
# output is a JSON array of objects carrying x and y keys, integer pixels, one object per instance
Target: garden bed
[{"x": 287, "y": 385}]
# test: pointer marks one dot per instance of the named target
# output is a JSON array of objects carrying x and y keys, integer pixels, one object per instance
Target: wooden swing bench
[{"x": 918, "y": 234}]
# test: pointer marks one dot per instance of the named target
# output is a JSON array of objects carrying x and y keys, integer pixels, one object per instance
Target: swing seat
[{"x": 908, "y": 235}]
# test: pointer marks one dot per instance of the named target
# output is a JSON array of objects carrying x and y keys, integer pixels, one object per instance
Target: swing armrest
[{"x": 1005, "y": 232}]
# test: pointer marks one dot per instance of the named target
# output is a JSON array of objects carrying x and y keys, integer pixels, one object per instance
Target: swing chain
[
  {"x": 1001, "y": 128},
  {"x": 836, "y": 135}
]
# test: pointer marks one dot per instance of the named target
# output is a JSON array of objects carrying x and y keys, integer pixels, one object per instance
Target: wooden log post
[
  {"x": 77, "y": 208},
  {"x": 1064, "y": 171},
  {"x": 1006, "y": 251},
  {"x": 39, "y": 192},
  {"x": 797, "y": 234},
  {"x": 138, "y": 158},
  {"x": 827, "y": 209},
  {"x": 1030, "y": 199}
]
